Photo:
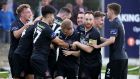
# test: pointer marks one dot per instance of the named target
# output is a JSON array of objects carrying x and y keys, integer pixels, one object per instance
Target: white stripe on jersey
[
  {"x": 54, "y": 26},
  {"x": 57, "y": 31}
]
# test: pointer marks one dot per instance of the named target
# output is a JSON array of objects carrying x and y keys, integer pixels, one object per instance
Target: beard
[{"x": 88, "y": 25}]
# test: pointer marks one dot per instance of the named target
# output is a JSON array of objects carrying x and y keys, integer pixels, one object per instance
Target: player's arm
[
  {"x": 17, "y": 33},
  {"x": 60, "y": 42},
  {"x": 109, "y": 41},
  {"x": 113, "y": 34},
  {"x": 84, "y": 47},
  {"x": 103, "y": 39},
  {"x": 74, "y": 53}
]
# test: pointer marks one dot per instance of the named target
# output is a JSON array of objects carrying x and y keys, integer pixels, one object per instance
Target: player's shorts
[
  {"x": 69, "y": 73},
  {"x": 21, "y": 66},
  {"x": 40, "y": 66},
  {"x": 117, "y": 69},
  {"x": 89, "y": 72}
]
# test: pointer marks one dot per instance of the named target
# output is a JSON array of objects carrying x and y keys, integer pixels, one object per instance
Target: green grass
[
  {"x": 4, "y": 74},
  {"x": 134, "y": 72}
]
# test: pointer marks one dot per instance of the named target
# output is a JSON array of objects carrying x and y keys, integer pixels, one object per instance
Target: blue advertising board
[{"x": 130, "y": 16}]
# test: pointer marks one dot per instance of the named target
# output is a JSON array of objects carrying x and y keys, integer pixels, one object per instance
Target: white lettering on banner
[{"x": 130, "y": 17}]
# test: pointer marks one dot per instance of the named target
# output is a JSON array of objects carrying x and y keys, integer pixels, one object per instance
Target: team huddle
[{"x": 52, "y": 47}]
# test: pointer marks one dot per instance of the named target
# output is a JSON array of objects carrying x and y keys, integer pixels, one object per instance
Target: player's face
[
  {"x": 67, "y": 15},
  {"x": 27, "y": 14},
  {"x": 80, "y": 19},
  {"x": 45, "y": 2},
  {"x": 79, "y": 2},
  {"x": 88, "y": 21},
  {"x": 99, "y": 21},
  {"x": 68, "y": 31},
  {"x": 109, "y": 13},
  {"x": 51, "y": 18},
  {"x": 5, "y": 7}
]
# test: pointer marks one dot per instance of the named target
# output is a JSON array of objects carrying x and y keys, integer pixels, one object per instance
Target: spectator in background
[
  {"x": 42, "y": 4},
  {"x": 69, "y": 6},
  {"x": 79, "y": 7},
  {"x": 80, "y": 19},
  {"x": 0, "y": 25},
  {"x": 6, "y": 18}
]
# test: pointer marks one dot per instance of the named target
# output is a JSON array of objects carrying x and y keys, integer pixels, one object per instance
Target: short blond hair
[
  {"x": 21, "y": 7},
  {"x": 66, "y": 23}
]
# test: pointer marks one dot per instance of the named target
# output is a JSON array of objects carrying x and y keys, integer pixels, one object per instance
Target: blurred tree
[
  {"x": 91, "y": 4},
  {"x": 33, "y": 3}
]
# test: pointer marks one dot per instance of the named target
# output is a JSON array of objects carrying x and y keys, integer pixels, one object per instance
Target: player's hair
[
  {"x": 64, "y": 10},
  {"x": 81, "y": 12},
  {"x": 21, "y": 7},
  {"x": 98, "y": 14},
  {"x": 89, "y": 12},
  {"x": 115, "y": 7},
  {"x": 47, "y": 10},
  {"x": 66, "y": 23}
]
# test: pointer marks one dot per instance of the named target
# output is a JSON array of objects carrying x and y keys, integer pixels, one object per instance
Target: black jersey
[
  {"x": 56, "y": 26},
  {"x": 93, "y": 58},
  {"x": 117, "y": 49},
  {"x": 43, "y": 35},
  {"x": 14, "y": 41},
  {"x": 25, "y": 45},
  {"x": 68, "y": 61}
]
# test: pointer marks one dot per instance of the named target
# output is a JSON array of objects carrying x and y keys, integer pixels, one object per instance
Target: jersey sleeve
[
  {"x": 50, "y": 33},
  {"x": 113, "y": 31},
  {"x": 14, "y": 27}
]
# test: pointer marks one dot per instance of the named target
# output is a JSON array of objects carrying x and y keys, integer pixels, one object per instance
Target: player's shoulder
[
  {"x": 94, "y": 33},
  {"x": 116, "y": 22},
  {"x": 16, "y": 25},
  {"x": 41, "y": 25},
  {"x": 80, "y": 28},
  {"x": 16, "y": 22}
]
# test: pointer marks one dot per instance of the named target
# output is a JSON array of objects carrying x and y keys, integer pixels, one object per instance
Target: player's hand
[
  {"x": 74, "y": 45},
  {"x": 51, "y": 46},
  {"x": 29, "y": 24},
  {"x": 67, "y": 53},
  {"x": 95, "y": 46}
]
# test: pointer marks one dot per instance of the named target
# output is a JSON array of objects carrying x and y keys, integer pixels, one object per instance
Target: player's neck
[
  {"x": 113, "y": 17},
  {"x": 60, "y": 16},
  {"x": 45, "y": 21}
]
